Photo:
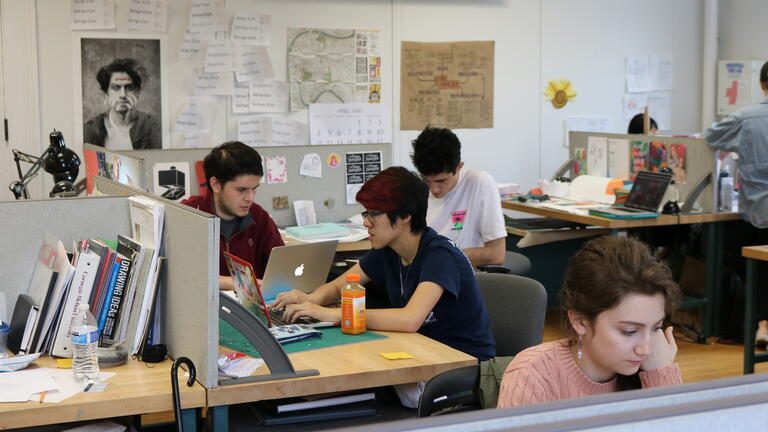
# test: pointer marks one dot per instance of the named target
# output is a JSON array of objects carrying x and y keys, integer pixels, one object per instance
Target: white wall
[
  {"x": 743, "y": 32},
  {"x": 536, "y": 41}
]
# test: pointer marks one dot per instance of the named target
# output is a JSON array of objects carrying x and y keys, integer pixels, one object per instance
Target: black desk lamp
[{"x": 56, "y": 160}]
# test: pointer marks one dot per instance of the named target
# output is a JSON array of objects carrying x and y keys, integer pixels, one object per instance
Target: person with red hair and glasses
[{"x": 429, "y": 281}]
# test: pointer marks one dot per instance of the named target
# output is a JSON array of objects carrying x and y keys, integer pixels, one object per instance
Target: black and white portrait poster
[{"x": 121, "y": 92}]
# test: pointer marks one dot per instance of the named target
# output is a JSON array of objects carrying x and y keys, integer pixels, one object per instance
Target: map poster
[
  {"x": 446, "y": 84},
  {"x": 333, "y": 66}
]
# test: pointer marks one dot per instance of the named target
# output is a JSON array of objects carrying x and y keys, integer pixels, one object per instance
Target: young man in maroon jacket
[{"x": 233, "y": 171}]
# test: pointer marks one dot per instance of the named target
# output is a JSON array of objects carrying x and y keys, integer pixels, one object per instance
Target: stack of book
[{"x": 118, "y": 279}]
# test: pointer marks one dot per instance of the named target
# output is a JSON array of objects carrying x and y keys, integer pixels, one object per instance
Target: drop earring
[{"x": 579, "y": 348}]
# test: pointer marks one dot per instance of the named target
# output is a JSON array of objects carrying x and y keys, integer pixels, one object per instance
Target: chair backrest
[
  {"x": 453, "y": 391},
  {"x": 516, "y": 306}
]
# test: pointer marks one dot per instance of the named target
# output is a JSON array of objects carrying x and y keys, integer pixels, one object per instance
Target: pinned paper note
[
  {"x": 361, "y": 167},
  {"x": 207, "y": 16},
  {"x": 597, "y": 156},
  {"x": 311, "y": 166},
  {"x": 146, "y": 15},
  {"x": 198, "y": 140},
  {"x": 92, "y": 14},
  {"x": 252, "y": 29},
  {"x": 396, "y": 355},
  {"x": 219, "y": 57},
  {"x": 194, "y": 117},
  {"x": 618, "y": 158},
  {"x": 252, "y": 63},
  {"x": 171, "y": 180},
  {"x": 638, "y": 76},
  {"x": 212, "y": 84},
  {"x": 269, "y": 96},
  {"x": 271, "y": 131},
  {"x": 241, "y": 102},
  {"x": 193, "y": 46},
  {"x": 277, "y": 170},
  {"x": 355, "y": 123}
]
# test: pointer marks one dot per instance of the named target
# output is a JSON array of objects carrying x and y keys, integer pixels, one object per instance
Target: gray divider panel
[
  {"x": 699, "y": 159},
  {"x": 69, "y": 219},
  {"x": 190, "y": 297},
  {"x": 328, "y": 193}
]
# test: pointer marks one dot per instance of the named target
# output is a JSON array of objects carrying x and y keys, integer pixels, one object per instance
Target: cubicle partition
[
  {"x": 699, "y": 161},
  {"x": 328, "y": 193},
  {"x": 736, "y": 403},
  {"x": 190, "y": 297}
]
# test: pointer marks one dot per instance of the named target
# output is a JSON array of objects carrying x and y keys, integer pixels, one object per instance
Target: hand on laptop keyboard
[{"x": 276, "y": 316}]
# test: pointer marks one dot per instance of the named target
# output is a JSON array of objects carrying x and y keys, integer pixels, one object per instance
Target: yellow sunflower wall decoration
[{"x": 559, "y": 92}]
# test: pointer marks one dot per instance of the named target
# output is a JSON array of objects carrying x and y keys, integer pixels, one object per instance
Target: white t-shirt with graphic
[{"x": 470, "y": 214}]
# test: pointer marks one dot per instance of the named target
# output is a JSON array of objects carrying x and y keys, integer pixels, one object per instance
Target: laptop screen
[{"x": 648, "y": 191}]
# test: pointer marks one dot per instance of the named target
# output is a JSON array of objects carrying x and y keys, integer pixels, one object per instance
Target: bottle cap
[
  {"x": 353, "y": 277},
  {"x": 82, "y": 306}
]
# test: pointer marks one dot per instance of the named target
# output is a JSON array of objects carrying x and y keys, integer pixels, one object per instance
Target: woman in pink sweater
[{"x": 615, "y": 298}]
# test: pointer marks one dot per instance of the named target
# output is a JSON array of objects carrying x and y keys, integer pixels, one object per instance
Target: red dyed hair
[{"x": 398, "y": 192}]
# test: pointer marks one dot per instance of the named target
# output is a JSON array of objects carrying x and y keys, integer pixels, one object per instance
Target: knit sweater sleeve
[
  {"x": 522, "y": 387},
  {"x": 661, "y": 377}
]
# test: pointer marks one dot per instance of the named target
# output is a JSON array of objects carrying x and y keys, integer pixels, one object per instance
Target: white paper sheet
[
  {"x": 198, "y": 140},
  {"x": 92, "y": 14},
  {"x": 195, "y": 116},
  {"x": 269, "y": 96},
  {"x": 660, "y": 109},
  {"x": 354, "y": 123},
  {"x": 661, "y": 72},
  {"x": 68, "y": 387},
  {"x": 311, "y": 165},
  {"x": 638, "y": 77},
  {"x": 286, "y": 132},
  {"x": 597, "y": 156},
  {"x": 634, "y": 103},
  {"x": 147, "y": 15},
  {"x": 20, "y": 385},
  {"x": 207, "y": 16},
  {"x": 215, "y": 84},
  {"x": 256, "y": 131},
  {"x": 219, "y": 57},
  {"x": 618, "y": 158},
  {"x": 252, "y": 29},
  {"x": 252, "y": 63},
  {"x": 277, "y": 169},
  {"x": 241, "y": 102}
]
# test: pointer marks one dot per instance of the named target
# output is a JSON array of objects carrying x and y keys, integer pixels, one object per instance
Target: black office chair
[
  {"x": 514, "y": 263},
  {"x": 517, "y": 307},
  {"x": 449, "y": 392}
]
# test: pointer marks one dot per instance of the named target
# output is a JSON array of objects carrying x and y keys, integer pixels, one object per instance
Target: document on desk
[
  {"x": 20, "y": 385},
  {"x": 67, "y": 386}
]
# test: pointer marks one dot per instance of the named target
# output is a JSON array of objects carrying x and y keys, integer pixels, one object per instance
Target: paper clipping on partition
[
  {"x": 352, "y": 123},
  {"x": 277, "y": 169},
  {"x": 269, "y": 96},
  {"x": 171, "y": 180},
  {"x": 311, "y": 165},
  {"x": 146, "y": 15},
  {"x": 597, "y": 156},
  {"x": 361, "y": 167},
  {"x": 252, "y": 29},
  {"x": 618, "y": 158},
  {"x": 638, "y": 77},
  {"x": 92, "y": 14},
  {"x": 304, "y": 210}
]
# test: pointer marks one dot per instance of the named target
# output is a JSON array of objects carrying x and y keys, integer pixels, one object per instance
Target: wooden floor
[{"x": 698, "y": 362}]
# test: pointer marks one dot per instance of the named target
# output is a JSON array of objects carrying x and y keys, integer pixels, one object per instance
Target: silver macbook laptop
[{"x": 302, "y": 266}]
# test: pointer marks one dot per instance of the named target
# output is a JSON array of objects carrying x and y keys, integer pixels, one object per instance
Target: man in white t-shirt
[{"x": 464, "y": 204}]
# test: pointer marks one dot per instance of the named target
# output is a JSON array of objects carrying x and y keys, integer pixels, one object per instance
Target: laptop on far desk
[
  {"x": 302, "y": 266},
  {"x": 644, "y": 198}
]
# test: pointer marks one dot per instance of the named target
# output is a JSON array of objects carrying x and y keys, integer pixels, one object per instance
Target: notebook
[
  {"x": 644, "y": 198},
  {"x": 301, "y": 266}
]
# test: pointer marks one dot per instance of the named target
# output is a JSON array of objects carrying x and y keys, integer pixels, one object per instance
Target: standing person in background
[
  {"x": 464, "y": 204},
  {"x": 746, "y": 133},
  {"x": 233, "y": 171},
  {"x": 615, "y": 298},
  {"x": 122, "y": 126}
]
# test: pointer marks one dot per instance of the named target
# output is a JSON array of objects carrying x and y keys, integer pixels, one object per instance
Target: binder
[
  {"x": 19, "y": 320},
  {"x": 79, "y": 291}
]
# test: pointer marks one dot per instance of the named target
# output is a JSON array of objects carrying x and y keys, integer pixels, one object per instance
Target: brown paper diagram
[{"x": 446, "y": 84}]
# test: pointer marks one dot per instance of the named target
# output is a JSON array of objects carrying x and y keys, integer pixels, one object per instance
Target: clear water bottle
[{"x": 85, "y": 340}]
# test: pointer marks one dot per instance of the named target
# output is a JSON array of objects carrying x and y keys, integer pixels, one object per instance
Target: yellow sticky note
[
  {"x": 396, "y": 355},
  {"x": 64, "y": 363}
]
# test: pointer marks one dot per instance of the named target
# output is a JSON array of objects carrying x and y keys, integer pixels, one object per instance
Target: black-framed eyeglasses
[{"x": 370, "y": 215}]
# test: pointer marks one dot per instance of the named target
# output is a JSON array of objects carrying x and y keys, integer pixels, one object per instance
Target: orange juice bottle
[{"x": 353, "y": 306}]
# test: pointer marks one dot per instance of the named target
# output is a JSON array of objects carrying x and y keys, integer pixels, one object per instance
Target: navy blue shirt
[{"x": 459, "y": 319}]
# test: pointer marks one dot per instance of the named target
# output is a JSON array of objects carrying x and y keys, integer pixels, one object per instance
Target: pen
[{"x": 42, "y": 396}]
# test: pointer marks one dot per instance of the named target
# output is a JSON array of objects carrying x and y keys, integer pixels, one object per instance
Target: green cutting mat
[{"x": 332, "y": 336}]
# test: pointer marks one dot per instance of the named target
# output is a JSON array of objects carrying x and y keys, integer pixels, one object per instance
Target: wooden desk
[
  {"x": 754, "y": 255},
  {"x": 589, "y": 219},
  {"x": 346, "y": 367},
  {"x": 138, "y": 388}
]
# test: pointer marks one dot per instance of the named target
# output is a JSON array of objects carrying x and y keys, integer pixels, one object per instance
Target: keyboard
[{"x": 276, "y": 316}]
